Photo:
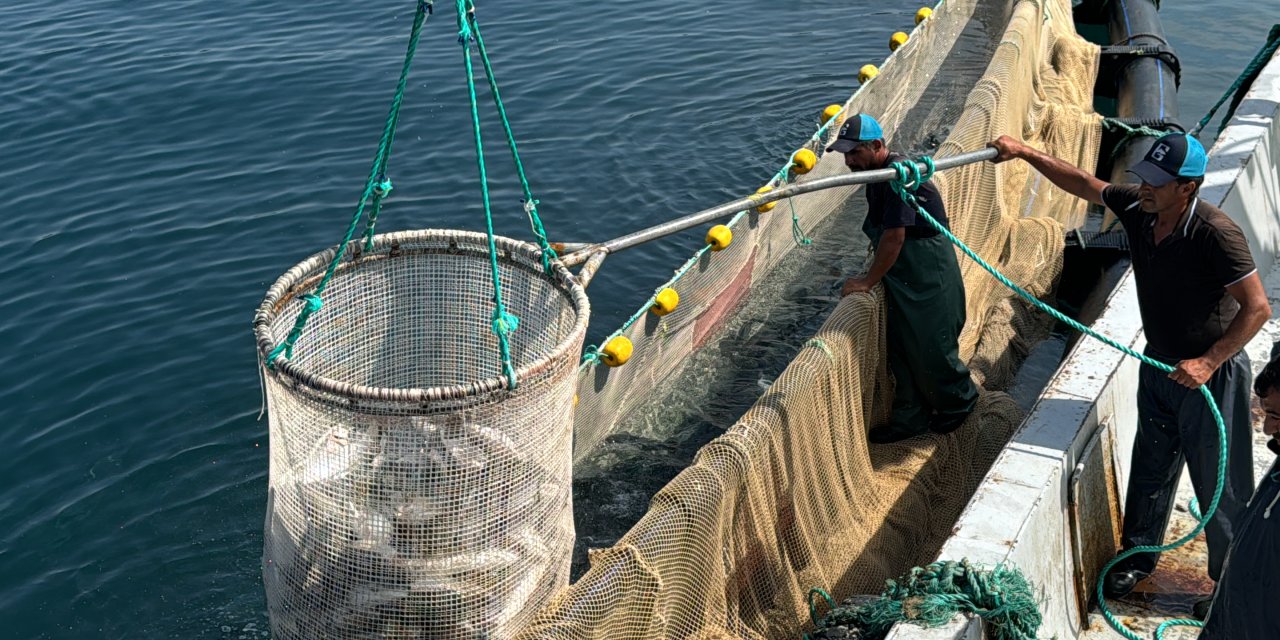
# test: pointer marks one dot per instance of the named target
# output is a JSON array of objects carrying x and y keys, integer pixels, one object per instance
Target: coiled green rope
[{"x": 932, "y": 595}]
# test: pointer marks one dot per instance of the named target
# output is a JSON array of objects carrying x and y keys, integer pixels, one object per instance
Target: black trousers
[
  {"x": 1175, "y": 425},
  {"x": 1245, "y": 607}
]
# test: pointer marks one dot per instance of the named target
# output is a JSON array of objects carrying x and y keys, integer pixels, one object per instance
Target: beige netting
[
  {"x": 412, "y": 493},
  {"x": 792, "y": 497},
  {"x": 917, "y": 83}
]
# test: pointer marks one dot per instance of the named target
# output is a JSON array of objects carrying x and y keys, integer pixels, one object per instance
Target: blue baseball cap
[
  {"x": 856, "y": 130},
  {"x": 1172, "y": 156}
]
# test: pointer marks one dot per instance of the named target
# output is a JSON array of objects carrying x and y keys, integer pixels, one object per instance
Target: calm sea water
[{"x": 161, "y": 163}]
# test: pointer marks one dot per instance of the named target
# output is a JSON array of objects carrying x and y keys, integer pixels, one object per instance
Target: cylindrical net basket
[{"x": 413, "y": 494}]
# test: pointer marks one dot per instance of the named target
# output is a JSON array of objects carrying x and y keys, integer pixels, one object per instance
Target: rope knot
[
  {"x": 311, "y": 302},
  {"x": 504, "y": 323},
  {"x": 910, "y": 178},
  {"x": 382, "y": 187}
]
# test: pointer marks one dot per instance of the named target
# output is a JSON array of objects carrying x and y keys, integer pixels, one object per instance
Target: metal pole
[
  {"x": 563, "y": 248},
  {"x": 589, "y": 269},
  {"x": 742, "y": 204}
]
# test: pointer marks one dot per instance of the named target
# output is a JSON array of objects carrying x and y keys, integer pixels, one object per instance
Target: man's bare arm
[
  {"x": 887, "y": 252},
  {"x": 1254, "y": 312},
  {"x": 1068, "y": 177}
]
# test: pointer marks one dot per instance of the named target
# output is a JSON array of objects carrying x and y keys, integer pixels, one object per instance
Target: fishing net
[
  {"x": 412, "y": 492},
  {"x": 792, "y": 496}
]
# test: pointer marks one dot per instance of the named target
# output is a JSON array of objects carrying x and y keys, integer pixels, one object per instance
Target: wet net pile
[
  {"x": 413, "y": 493},
  {"x": 792, "y": 497}
]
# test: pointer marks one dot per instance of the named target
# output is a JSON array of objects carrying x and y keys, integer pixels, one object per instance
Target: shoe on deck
[
  {"x": 1200, "y": 610},
  {"x": 1121, "y": 583}
]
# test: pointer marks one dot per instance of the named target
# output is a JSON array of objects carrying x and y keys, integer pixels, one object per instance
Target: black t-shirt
[
  {"x": 886, "y": 210},
  {"x": 1182, "y": 282}
]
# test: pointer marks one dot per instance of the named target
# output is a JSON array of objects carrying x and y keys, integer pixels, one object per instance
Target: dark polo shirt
[
  {"x": 885, "y": 209},
  {"x": 1182, "y": 281}
]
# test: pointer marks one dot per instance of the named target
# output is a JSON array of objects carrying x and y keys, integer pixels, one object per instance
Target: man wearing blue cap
[
  {"x": 924, "y": 295},
  {"x": 1201, "y": 300}
]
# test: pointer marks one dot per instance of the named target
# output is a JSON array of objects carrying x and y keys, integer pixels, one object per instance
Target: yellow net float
[
  {"x": 768, "y": 206},
  {"x": 616, "y": 352},
  {"x": 867, "y": 72},
  {"x": 923, "y": 14},
  {"x": 719, "y": 237},
  {"x": 830, "y": 112},
  {"x": 803, "y": 161},
  {"x": 665, "y": 302},
  {"x": 897, "y": 40}
]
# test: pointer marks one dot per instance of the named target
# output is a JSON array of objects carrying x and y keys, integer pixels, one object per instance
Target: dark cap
[
  {"x": 856, "y": 130},
  {"x": 1172, "y": 156}
]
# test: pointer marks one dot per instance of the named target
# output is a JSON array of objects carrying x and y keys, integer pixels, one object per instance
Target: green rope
[
  {"x": 933, "y": 595},
  {"x": 1115, "y": 220},
  {"x": 1193, "y": 508},
  {"x": 1129, "y": 133},
  {"x": 1238, "y": 88},
  {"x": 909, "y": 178},
  {"x": 797, "y": 233},
  {"x": 313, "y": 301},
  {"x": 503, "y": 322},
  {"x": 382, "y": 188},
  {"x": 818, "y": 343},
  {"x": 380, "y": 191},
  {"x": 530, "y": 203},
  {"x": 813, "y": 611}
]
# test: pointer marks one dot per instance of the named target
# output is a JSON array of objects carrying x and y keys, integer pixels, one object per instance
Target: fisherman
[
  {"x": 1201, "y": 300},
  {"x": 924, "y": 295},
  {"x": 1244, "y": 607}
]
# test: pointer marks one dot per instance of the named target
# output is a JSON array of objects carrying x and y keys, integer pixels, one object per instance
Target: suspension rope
[
  {"x": 312, "y": 302},
  {"x": 382, "y": 187},
  {"x": 797, "y": 234},
  {"x": 1239, "y": 87},
  {"x": 908, "y": 180},
  {"x": 503, "y": 322},
  {"x": 530, "y": 203}
]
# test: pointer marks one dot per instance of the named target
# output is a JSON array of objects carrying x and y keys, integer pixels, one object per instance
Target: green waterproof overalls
[{"x": 925, "y": 312}]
